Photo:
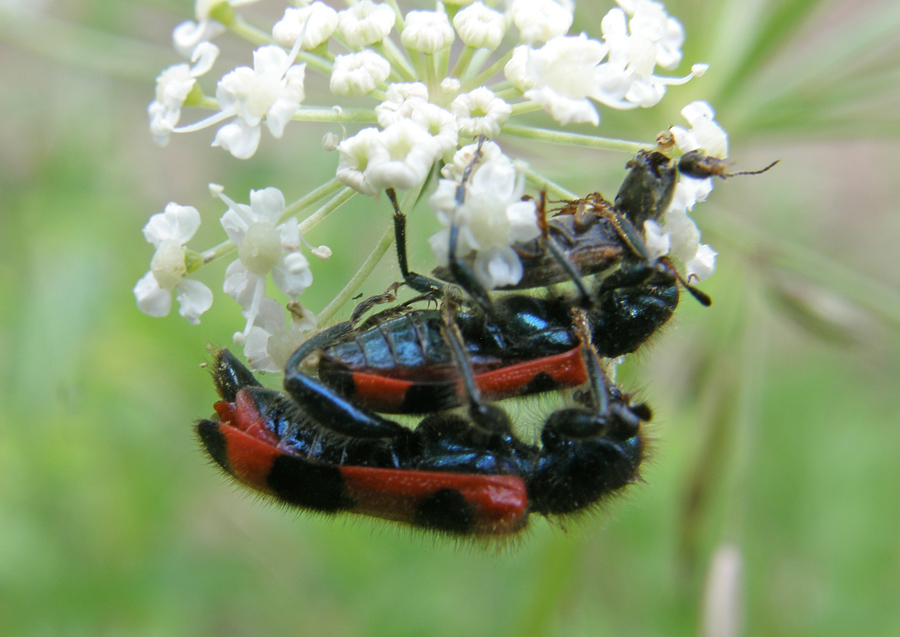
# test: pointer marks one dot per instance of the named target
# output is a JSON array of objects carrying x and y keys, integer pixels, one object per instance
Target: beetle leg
[
  {"x": 586, "y": 297},
  {"x": 587, "y": 453},
  {"x": 336, "y": 413},
  {"x": 418, "y": 282},
  {"x": 490, "y": 418}
]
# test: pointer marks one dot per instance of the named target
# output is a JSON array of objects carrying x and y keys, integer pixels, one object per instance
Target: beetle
[
  {"x": 587, "y": 236},
  {"x": 461, "y": 475},
  {"x": 399, "y": 362}
]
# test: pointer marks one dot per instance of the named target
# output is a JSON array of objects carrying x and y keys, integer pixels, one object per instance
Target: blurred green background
[{"x": 776, "y": 429}]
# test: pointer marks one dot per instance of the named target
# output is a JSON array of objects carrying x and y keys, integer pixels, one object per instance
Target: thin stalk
[
  {"x": 576, "y": 139},
  {"x": 487, "y": 74},
  {"x": 249, "y": 32},
  {"x": 349, "y": 291},
  {"x": 551, "y": 187},
  {"x": 319, "y": 215},
  {"x": 399, "y": 64},
  {"x": 332, "y": 114},
  {"x": 462, "y": 62}
]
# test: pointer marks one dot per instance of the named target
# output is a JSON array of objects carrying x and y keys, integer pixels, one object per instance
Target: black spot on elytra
[
  {"x": 541, "y": 382},
  {"x": 214, "y": 442},
  {"x": 445, "y": 510},
  {"x": 424, "y": 399},
  {"x": 312, "y": 486}
]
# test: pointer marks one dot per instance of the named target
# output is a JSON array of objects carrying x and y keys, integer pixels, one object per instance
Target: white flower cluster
[
  {"x": 678, "y": 235},
  {"x": 430, "y": 98},
  {"x": 568, "y": 72},
  {"x": 491, "y": 217}
]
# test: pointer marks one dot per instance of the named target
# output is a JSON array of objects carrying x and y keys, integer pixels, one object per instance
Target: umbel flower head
[
  {"x": 168, "y": 231},
  {"x": 425, "y": 85}
]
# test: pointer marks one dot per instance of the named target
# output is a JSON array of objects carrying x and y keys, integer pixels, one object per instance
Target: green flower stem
[
  {"x": 223, "y": 249},
  {"x": 415, "y": 58},
  {"x": 315, "y": 114},
  {"x": 442, "y": 64},
  {"x": 387, "y": 238},
  {"x": 576, "y": 139},
  {"x": 398, "y": 22},
  {"x": 461, "y": 68},
  {"x": 508, "y": 94},
  {"x": 550, "y": 187},
  {"x": 486, "y": 74},
  {"x": 431, "y": 72},
  {"x": 249, "y": 32},
  {"x": 504, "y": 86},
  {"x": 400, "y": 66},
  {"x": 525, "y": 107},
  {"x": 333, "y": 204},
  {"x": 478, "y": 61},
  {"x": 207, "y": 102},
  {"x": 316, "y": 62},
  {"x": 325, "y": 190}
]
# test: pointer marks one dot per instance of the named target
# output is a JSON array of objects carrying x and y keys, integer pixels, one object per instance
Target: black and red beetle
[{"x": 461, "y": 475}]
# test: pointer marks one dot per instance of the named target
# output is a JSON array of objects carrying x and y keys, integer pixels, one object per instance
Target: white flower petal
[
  {"x": 152, "y": 299},
  {"x": 498, "y": 267},
  {"x": 354, "y": 159},
  {"x": 480, "y": 112},
  {"x": 491, "y": 217},
  {"x": 440, "y": 124},
  {"x": 541, "y": 20},
  {"x": 168, "y": 264},
  {"x": 480, "y": 27},
  {"x": 187, "y": 35},
  {"x": 403, "y": 158},
  {"x": 658, "y": 243},
  {"x": 240, "y": 284},
  {"x": 238, "y": 138},
  {"x": 365, "y": 23},
  {"x": 401, "y": 99},
  {"x": 703, "y": 264},
  {"x": 314, "y": 23},
  {"x": 267, "y": 204},
  {"x": 203, "y": 57},
  {"x": 705, "y": 133},
  {"x": 462, "y": 159},
  {"x": 175, "y": 223},
  {"x": 292, "y": 274},
  {"x": 256, "y": 350},
  {"x": 279, "y": 114},
  {"x": 564, "y": 110},
  {"x": 358, "y": 73},
  {"x": 427, "y": 31},
  {"x": 562, "y": 75},
  {"x": 194, "y": 299}
]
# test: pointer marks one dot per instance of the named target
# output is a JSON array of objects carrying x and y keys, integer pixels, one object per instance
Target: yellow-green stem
[
  {"x": 387, "y": 239},
  {"x": 551, "y": 187},
  {"x": 576, "y": 139}
]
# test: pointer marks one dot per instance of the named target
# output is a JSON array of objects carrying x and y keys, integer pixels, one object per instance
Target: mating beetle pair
[{"x": 323, "y": 447}]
